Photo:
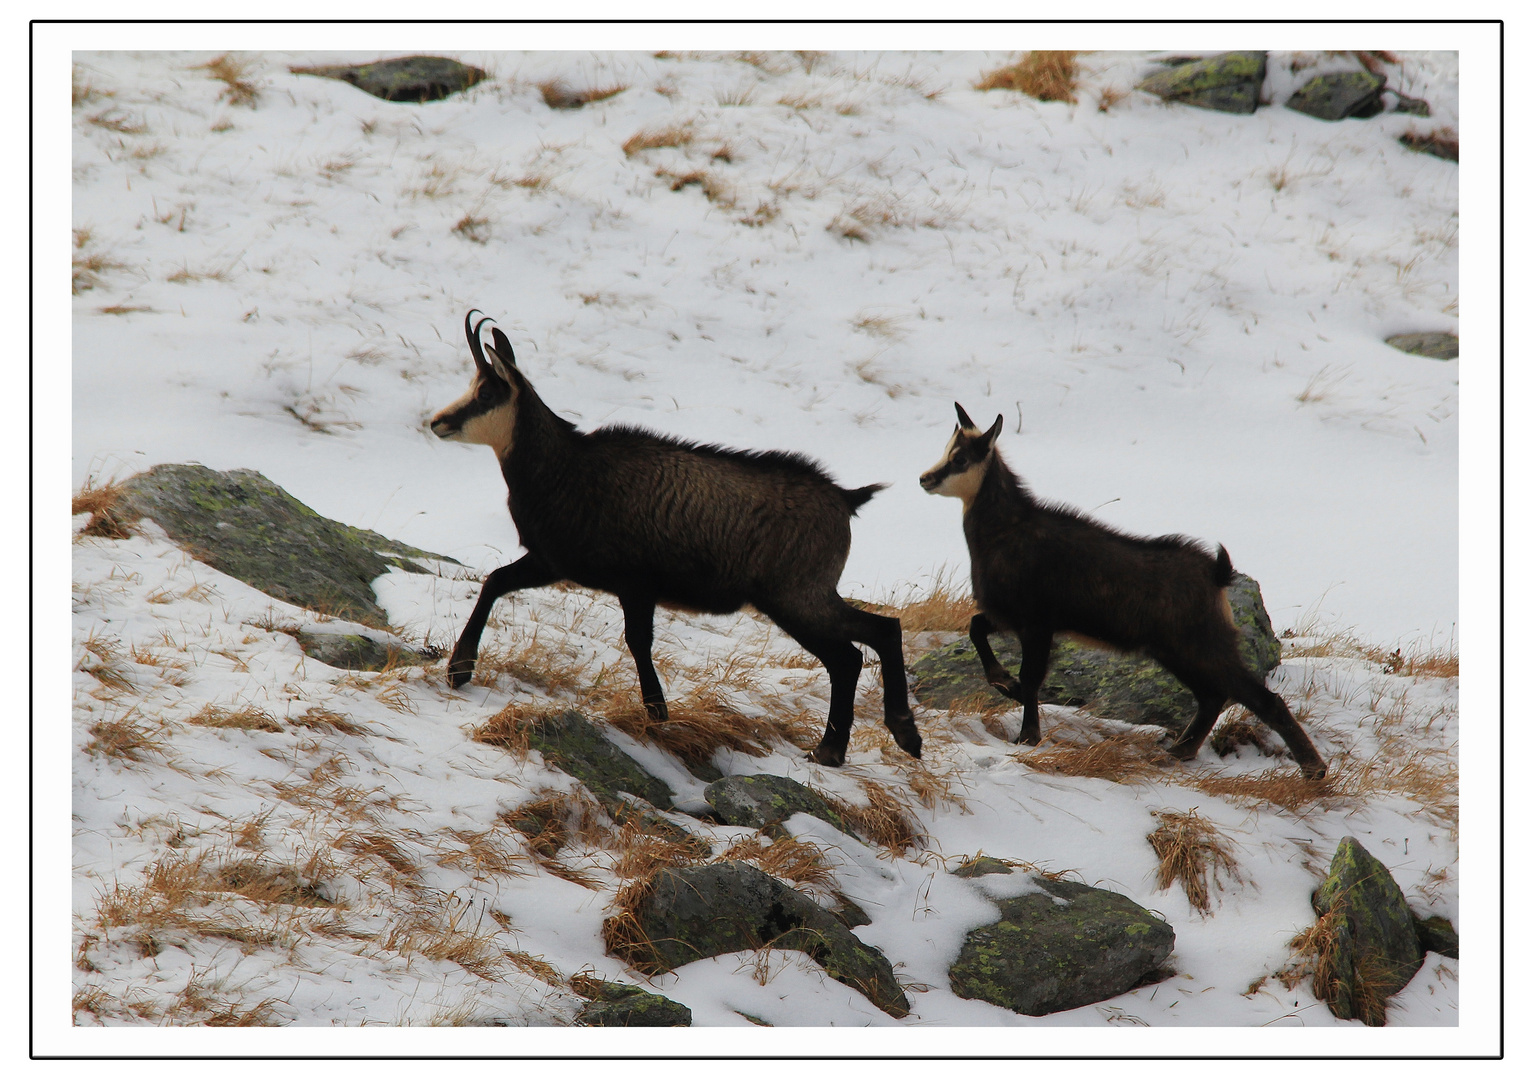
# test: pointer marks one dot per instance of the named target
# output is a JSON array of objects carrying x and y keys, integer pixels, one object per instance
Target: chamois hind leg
[
  {"x": 1037, "y": 643},
  {"x": 528, "y": 572},
  {"x": 639, "y": 632},
  {"x": 1252, "y": 692},
  {"x": 843, "y": 661},
  {"x": 882, "y": 634},
  {"x": 1211, "y": 699}
]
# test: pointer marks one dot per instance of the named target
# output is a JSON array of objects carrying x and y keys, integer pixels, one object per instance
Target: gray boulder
[
  {"x": 763, "y": 800},
  {"x": 359, "y": 652},
  {"x": 575, "y": 745},
  {"x": 1374, "y": 951},
  {"x": 1062, "y": 947},
  {"x": 726, "y": 907},
  {"x": 1111, "y": 685},
  {"x": 1338, "y": 95},
  {"x": 624, "y": 1005},
  {"x": 1435, "y": 346},
  {"x": 1230, "y": 82},
  {"x": 248, "y": 527},
  {"x": 407, "y": 78},
  {"x": 1437, "y": 934}
]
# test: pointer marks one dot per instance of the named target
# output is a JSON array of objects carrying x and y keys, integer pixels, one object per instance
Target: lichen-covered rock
[
  {"x": 1230, "y": 82},
  {"x": 763, "y": 800},
  {"x": 1338, "y": 95},
  {"x": 359, "y": 652},
  {"x": 406, "y": 78},
  {"x": 1435, "y": 346},
  {"x": 1375, "y": 951},
  {"x": 1044, "y": 956},
  {"x": 623, "y": 1005},
  {"x": 575, "y": 745},
  {"x": 248, "y": 527},
  {"x": 1437, "y": 934},
  {"x": 982, "y": 865},
  {"x": 698, "y": 912},
  {"x": 1111, "y": 685}
]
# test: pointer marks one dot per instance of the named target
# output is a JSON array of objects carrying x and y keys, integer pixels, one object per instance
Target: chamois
[
  {"x": 1039, "y": 569},
  {"x": 656, "y": 521}
]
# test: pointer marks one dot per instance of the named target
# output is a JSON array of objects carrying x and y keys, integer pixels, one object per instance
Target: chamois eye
[
  {"x": 960, "y": 459},
  {"x": 485, "y": 393}
]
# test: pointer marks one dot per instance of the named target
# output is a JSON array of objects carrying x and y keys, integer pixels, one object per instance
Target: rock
[
  {"x": 760, "y": 801},
  {"x": 980, "y": 866},
  {"x": 1111, "y": 685},
  {"x": 726, "y": 907},
  {"x": 248, "y": 527},
  {"x": 1044, "y": 956},
  {"x": 1410, "y": 105},
  {"x": 1437, "y": 934},
  {"x": 359, "y": 652},
  {"x": 1338, "y": 95},
  {"x": 575, "y": 745},
  {"x": 1440, "y": 142},
  {"x": 1435, "y": 346},
  {"x": 406, "y": 78},
  {"x": 1375, "y": 951},
  {"x": 1230, "y": 82},
  {"x": 623, "y": 1005}
]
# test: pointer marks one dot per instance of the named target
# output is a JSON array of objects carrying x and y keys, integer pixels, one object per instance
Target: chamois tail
[
  {"x": 1224, "y": 572},
  {"x": 858, "y": 496}
]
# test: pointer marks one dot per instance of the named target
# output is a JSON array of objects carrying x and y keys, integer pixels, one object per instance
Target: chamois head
[
  {"x": 959, "y": 471},
  {"x": 487, "y": 413}
]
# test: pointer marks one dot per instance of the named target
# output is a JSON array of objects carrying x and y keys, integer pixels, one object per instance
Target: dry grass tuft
[
  {"x": 946, "y": 604},
  {"x": 557, "y": 94},
  {"x": 714, "y": 189},
  {"x": 1318, "y": 954},
  {"x": 532, "y": 663},
  {"x": 426, "y": 933},
  {"x": 654, "y": 138},
  {"x": 484, "y": 854},
  {"x": 1192, "y": 851},
  {"x": 1244, "y": 729},
  {"x": 1108, "y": 97},
  {"x": 232, "y": 71},
  {"x": 1123, "y": 757},
  {"x": 86, "y": 268},
  {"x": 124, "y": 738},
  {"x": 1442, "y": 142},
  {"x": 797, "y": 862},
  {"x": 884, "y": 819},
  {"x": 641, "y": 851},
  {"x": 474, "y": 228},
  {"x": 699, "y": 723},
  {"x": 243, "y": 718},
  {"x": 99, "y": 499},
  {"x": 1047, "y": 75},
  {"x": 507, "y": 729},
  {"x": 324, "y": 720},
  {"x": 555, "y": 819}
]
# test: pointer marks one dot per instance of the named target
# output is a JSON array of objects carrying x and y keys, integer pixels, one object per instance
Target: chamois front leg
[
  {"x": 980, "y": 630},
  {"x": 526, "y": 573},
  {"x": 639, "y": 632}
]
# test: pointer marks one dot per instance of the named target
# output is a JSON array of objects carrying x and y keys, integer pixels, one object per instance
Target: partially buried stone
[
  {"x": 1230, "y": 82},
  {"x": 1338, "y": 95},
  {"x": 407, "y": 78}
]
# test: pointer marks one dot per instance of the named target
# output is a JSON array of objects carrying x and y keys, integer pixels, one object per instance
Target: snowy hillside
[{"x": 1179, "y": 313}]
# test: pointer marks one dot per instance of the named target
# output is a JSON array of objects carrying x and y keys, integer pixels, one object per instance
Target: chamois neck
[
  {"x": 540, "y": 436},
  {"x": 1000, "y": 489}
]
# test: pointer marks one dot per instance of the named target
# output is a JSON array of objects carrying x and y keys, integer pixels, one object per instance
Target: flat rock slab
[
  {"x": 1435, "y": 346},
  {"x": 763, "y": 800},
  {"x": 1230, "y": 82},
  {"x": 1110, "y": 685},
  {"x": 248, "y": 527},
  {"x": 1377, "y": 951},
  {"x": 623, "y": 1005},
  {"x": 575, "y": 745},
  {"x": 1061, "y": 947},
  {"x": 406, "y": 78},
  {"x": 1339, "y": 95},
  {"x": 359, "y": 652},
  {"x": 698, "y": 912}
]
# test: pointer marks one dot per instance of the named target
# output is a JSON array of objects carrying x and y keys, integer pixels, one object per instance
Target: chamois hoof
[
  {"x": 459, "y": 672},
  {"x": 1028, "y": 738},
  {"x": 1009, "y": 688},
  {"x": 1183, "y": 751},
  {"x": 827, "y": 755},
  {"x": 1313, "y": 770},
  {"x": 903, "y": 728}
]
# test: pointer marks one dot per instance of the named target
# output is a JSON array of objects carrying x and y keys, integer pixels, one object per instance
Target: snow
[{"x": 1179, "y": 314}]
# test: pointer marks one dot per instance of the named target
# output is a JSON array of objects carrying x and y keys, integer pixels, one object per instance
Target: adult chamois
[
  {"x": 1039, "y": 569},
  {"x": 656, "y": 521}
]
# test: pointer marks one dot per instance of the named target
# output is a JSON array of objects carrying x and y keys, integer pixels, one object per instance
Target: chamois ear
[
  {"x": 502, "y": 360},
  {"x": 964, "y": 421},
  {"x": 989, "y": 438}
]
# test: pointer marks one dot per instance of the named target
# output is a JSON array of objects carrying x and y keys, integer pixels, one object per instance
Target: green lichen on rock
[
  {"x": 1230, "y": 82},
  {"x": 624, "y": 1005},
  {"x": 1043, "y": 956},
  {"x": 1111, "y": 685},
  {"x": 1437, "y": 934},
  {"x": 359, "y": 652},
  {"x": 1338, "y": 95},
  {"x": 575, "y": 745},
  {"x": 697, "y": 912},
  {"x": 763, "y": 800},
  {"x": 407, "y": 78},
  {"x": 981, "y": 866},
  {"x": 1376, "y": 950},
  {"x": 241, "y": 523},
  {"x": 1434, "y": 346}
]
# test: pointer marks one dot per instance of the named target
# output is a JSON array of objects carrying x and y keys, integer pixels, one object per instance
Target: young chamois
[
  {"x": 1039, "y": 570},
  {"x": 658, "y": 521}
]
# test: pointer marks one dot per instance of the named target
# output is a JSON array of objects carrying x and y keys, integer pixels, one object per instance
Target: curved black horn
[{"x": 471, "y": 331}]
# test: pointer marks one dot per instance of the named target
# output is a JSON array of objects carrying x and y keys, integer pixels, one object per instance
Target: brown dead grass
[
  {"x": 232, "y": 71},
  {"x": 1317, "y": 954},
  {"x": 883, "y": 819},
  {"x": 699, "y": 723},
  {"x": 1442, "y": 142},
  {"x": 654, "y": 138},
  {"x": 99, "y": 499},
  {"x": 558, "y": 94},
  {"x": 327, "y": 721},
  {"x": 242, "y": 718},
  {"x": 1123, "y": 757},
  {"x": 125, "y": 738},
  {"x": 1193, "y": 852},
  {"x": 1047, "y": 75},
  {"x": 532, "y": 663},
  {"x": 715, "y": 189},
  {"x": 945, "y": 605},
  {"x": 797, "y": 862}
]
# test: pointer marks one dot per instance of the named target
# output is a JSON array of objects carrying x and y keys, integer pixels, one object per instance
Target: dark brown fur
[
  {"x": 659, "y": 521},
  {"x": 1039, "y": 569}
]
